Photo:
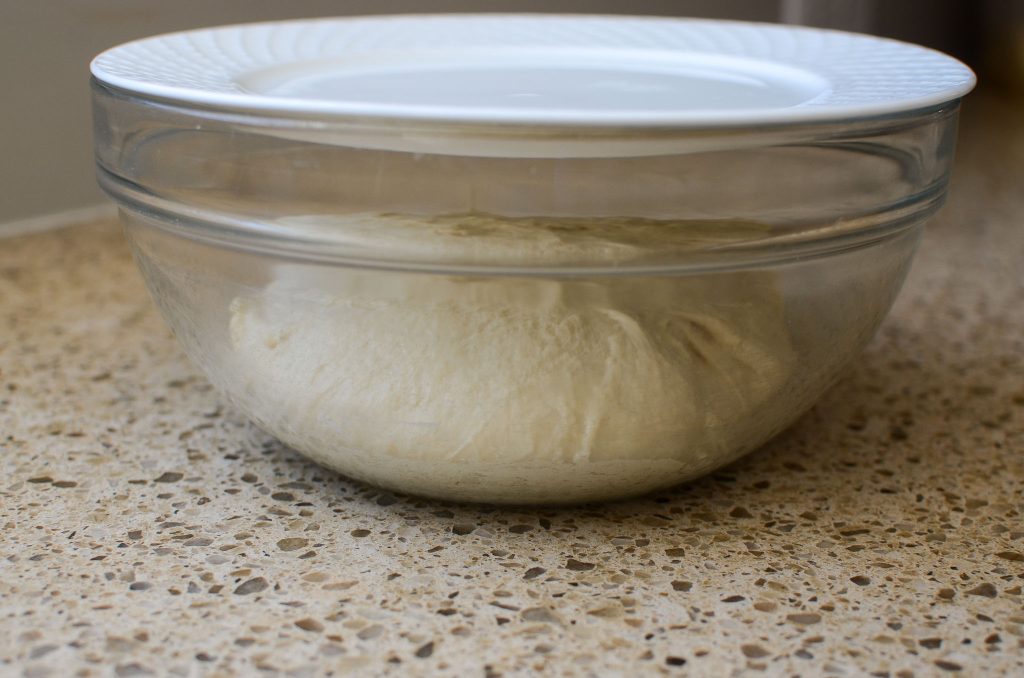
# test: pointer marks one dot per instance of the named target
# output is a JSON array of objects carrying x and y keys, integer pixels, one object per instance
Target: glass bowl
[{"x": 473, "y": 307}]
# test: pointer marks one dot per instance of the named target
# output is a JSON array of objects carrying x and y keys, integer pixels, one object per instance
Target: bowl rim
[{"x": 233, "y": 232}]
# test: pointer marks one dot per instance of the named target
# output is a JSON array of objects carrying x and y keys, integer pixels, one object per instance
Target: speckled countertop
[{"x": 149, "y": 530}]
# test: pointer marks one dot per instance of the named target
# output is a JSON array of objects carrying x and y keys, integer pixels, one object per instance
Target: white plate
[{"x": 538, "y": 70}]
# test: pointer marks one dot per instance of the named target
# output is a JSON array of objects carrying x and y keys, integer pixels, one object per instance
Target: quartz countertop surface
[{"x": 149, "y": 530}]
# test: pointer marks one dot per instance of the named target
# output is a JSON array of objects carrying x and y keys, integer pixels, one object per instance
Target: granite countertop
[{"x": 147, "y": 529}]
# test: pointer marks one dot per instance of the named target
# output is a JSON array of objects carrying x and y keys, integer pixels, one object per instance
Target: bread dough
[{"x": 517, "y": 389}]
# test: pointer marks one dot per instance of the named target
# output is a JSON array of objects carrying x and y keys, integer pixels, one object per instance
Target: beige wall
[{"x": 46, "y": 45}]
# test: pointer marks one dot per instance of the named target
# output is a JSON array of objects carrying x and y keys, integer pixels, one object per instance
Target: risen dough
[{"x": 514, "y": 389}]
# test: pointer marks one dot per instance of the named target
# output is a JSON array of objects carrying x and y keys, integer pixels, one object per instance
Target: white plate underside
[{"x": 537, "y": 70}]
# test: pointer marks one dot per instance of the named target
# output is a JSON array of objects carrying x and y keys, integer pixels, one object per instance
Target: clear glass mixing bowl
[{"x": 509, "y": 326}]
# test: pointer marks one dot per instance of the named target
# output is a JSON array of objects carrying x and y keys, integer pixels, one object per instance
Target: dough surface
[{"x": 515, "y": 388}]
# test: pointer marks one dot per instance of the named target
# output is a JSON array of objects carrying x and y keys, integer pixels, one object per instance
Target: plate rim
[{"x": 332, "y": 110}]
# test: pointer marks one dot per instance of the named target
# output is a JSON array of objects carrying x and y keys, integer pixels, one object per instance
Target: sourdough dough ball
[{"x": 514, "y": 389}]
